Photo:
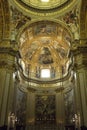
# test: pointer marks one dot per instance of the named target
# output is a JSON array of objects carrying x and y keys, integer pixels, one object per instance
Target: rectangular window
[{"x": 45, "y": 73}]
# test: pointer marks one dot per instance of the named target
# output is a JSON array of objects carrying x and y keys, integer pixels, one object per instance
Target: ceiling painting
[
  {"x": 45, "y": 29},
  {"x": 46, "y": 45},
  {"x": 45, "y": 56},
  {"x": 72, "y": 20}
]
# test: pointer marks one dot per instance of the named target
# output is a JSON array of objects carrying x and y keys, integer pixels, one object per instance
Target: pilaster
[
  {"x": 80, "y": 68},
  {"x": 7, "y": 70},
  {"x": 30, "y": 107},
  {"x": 60, "y": 111}
]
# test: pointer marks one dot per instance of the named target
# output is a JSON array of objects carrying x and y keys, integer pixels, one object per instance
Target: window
[
  {"x": 44, "y": 0},
  {"x": 45, "y": 73}
]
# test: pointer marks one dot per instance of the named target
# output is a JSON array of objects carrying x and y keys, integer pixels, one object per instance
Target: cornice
[
  {"x": 31, "y": 90},
  {"x": 10, "y": 51},
  {"x": 38, "y": 81},
  {"x": 79, "y": 49},
  {"x": 58, "y": 90},
  {"x": 80, "y": 56},
  {"x": 6, "y": 65}
]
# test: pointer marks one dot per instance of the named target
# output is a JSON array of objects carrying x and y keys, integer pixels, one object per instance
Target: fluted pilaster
[{"x": 30, "y": 107}]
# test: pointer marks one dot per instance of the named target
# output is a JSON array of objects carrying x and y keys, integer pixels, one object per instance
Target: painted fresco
[
  {"x": 45, "y": 56},
  {"x": 31, "y": 49},
  {"x": 43, "y": 28},
  {"x": 45, "y": 108},
  {"x": 72, "y": 20},
  {"x": 43, "y": 39}
]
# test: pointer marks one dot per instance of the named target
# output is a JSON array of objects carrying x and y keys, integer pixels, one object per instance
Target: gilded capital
[
  {"x": 80, "y": 55},
  {"x": 7, "y": 61}
]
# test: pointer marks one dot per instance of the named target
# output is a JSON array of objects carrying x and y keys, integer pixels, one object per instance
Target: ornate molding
[
  {"x": 7, "y": 58},
  {"x": 10, "y": 51},
  {"x": 31, "y": 90},
  {"x": 59, "y": 89},
  {"x": 80, "y": 55},
  {"x": 6, "y": 65}
]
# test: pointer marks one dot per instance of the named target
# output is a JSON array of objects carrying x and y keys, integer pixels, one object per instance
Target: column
[
  {"x": 80, "y": 68},
  {"x": 7, "y": 69},
  {"x": 60, "y": 112},
  {"x": 30, "y": 107}
]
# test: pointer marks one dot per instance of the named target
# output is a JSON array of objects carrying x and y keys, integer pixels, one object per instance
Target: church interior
[{"x": 43, "y": 64}]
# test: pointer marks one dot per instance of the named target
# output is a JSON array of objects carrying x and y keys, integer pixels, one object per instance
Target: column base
[
  {"x": 20, "y": 127},
  {"x": 70, "y": 127},
  {"x": 83, "y": 127},
  {"x": 3, "y": 128}
]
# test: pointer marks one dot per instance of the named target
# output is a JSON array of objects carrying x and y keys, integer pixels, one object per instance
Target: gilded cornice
[
  {"x": 9, "y": 50},
  {"x": 31, "y": 90},
  {"x": 6, "y": 65},
  {"x": 60, "y": 89},
  {"x": 78, "y": 48},
  {"x": 38, "y": 81},
  {"x": 80, "y": 55},
  {"x": 7, "y": 62},
  {"x": 7, "y": 58}
]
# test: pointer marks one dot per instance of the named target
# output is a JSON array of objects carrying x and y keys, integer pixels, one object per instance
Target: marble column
[
  {"x": 7, "y": 68},
  {"x": 60, "y": 112},
  {"x": 80, "y": 68},
  {"x": 30, "y": 107}
]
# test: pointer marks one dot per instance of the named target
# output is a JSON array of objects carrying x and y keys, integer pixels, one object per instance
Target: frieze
[
  {"x": 17, "y": 21},
  {"x": 31, "y": 89},
  {"x": 6, "y": 65},
  {"x": 10, "y": 51},
  {"x": 60, "y": 89},
  {"x": 79, "y": 49},
  {"x": 80, "y": 56}
]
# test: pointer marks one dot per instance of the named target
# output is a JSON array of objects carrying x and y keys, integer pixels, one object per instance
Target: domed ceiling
[
  {"x": 45, "y": 44},
  {"x": 44, "y": 8},
  {"x": 44, "y": 4}
]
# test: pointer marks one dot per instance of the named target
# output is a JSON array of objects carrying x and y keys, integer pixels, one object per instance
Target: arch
[{"x": 40, "y": 20}]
